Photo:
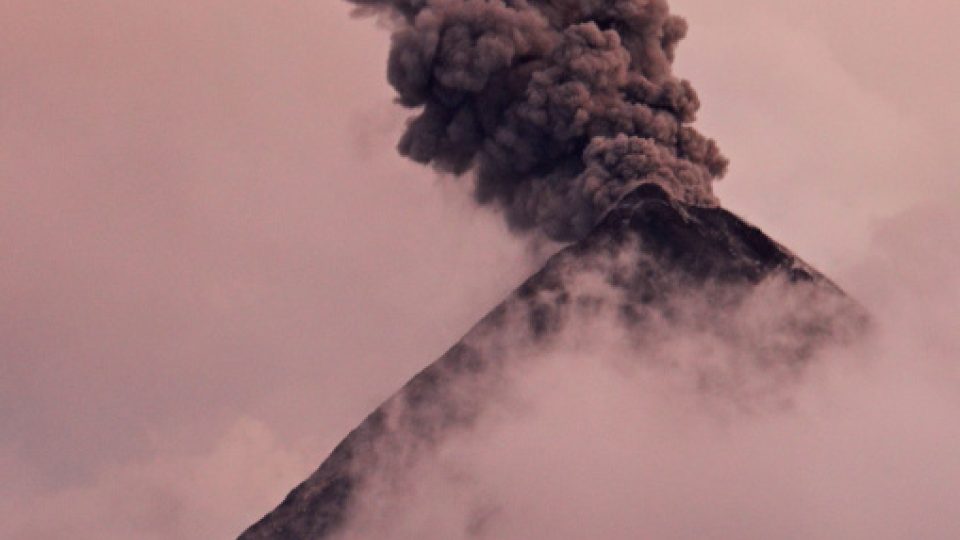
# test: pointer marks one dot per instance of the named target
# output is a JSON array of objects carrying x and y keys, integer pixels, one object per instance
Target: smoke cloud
[{"x": 555, "y": 106}]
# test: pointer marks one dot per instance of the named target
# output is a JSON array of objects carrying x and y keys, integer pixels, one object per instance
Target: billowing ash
[{"x": 557, "y": 107}]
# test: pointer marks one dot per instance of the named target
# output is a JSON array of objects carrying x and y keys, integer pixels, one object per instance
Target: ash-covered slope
[{"x": 659, "y": 264}]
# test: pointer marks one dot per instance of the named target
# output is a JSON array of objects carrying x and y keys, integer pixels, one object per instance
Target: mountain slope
[{"x": 652, "y": 265}]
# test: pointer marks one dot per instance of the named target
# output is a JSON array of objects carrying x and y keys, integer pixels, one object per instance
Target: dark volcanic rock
[{"x": 648, "y": 252}]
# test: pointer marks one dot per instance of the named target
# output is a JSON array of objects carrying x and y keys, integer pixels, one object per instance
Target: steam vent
[{"x": 652, "y": 263}]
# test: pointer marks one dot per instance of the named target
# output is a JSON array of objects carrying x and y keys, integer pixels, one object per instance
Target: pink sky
[{"x": 213, "y": 264}]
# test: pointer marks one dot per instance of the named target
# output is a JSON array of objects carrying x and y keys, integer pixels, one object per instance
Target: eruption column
[{"x": 556, "y": 108}]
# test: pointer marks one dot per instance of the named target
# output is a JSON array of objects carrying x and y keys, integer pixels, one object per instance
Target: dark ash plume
[{"x": 558, "y": 107}]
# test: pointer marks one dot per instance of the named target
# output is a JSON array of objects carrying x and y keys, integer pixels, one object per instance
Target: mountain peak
[{"x": 655, "y": 268}]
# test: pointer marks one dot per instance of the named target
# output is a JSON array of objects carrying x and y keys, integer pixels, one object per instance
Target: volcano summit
[{"x": 666, "y": 273}]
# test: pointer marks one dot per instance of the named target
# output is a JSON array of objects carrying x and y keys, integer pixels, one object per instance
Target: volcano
[{"x": 655, "y": 265}]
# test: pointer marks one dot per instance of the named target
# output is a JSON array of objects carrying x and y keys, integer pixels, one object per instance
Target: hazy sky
[{"x": 213, "y": 264}]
